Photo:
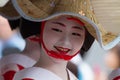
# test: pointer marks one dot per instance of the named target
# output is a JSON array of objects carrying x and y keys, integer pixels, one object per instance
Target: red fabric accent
[
  {"x": 27, "y": 79},
  {"x": 9, "y": 75},
  {"x": 20, "y": 67},
  {"x": 77, "y": 20},
  {"x": 36, "y": 39},
  {"x": 117, "y": 78}
]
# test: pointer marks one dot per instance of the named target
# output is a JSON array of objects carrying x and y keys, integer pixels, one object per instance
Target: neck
[{"x": 54, "y": 65}]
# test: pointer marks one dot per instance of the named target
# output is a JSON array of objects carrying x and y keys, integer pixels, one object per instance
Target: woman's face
[{"x": 63, "y": 36}]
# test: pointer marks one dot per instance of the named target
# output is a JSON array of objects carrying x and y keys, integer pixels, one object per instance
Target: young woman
[
  {"x": 62, "y": 36},
  {"x": 61, "y": 39}
]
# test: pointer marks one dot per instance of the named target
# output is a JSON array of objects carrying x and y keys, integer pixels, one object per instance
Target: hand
[{"x": 5, "y": 30}]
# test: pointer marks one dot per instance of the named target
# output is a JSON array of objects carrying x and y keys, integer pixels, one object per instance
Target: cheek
[
  {"x": 77, "y": 45},
  {"x": 50, "y": 39}
]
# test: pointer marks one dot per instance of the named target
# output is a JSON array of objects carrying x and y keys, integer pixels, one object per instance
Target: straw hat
[
  {"x": 114, "y": 75},
  {"x": 41, "y": 10},
  {"x": 108, "y": 13},
  {"x": 7, "y": 10}
]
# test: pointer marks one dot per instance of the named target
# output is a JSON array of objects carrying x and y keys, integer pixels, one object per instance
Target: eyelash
[
  {"x": 76, "y": 34},
  {"x": 58, "y": 30}
]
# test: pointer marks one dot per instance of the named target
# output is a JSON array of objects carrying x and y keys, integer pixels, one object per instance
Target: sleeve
[
  {"x": 15, "y": 44},
  {"x": 13, "y": 63}
]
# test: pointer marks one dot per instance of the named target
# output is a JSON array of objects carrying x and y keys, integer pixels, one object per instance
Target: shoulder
[
  {"x": 17, "y": 58},
  {"x": 35, "y": 73}
]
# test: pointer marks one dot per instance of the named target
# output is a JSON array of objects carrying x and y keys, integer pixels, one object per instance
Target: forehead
[{"x": 68, "y": 20}]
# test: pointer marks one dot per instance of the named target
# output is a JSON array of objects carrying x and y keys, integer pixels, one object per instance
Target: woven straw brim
[
  {"x": 9, "y": 11},
  {"x": 108, "y": 14},
  {"x": 40, "y": 10}
]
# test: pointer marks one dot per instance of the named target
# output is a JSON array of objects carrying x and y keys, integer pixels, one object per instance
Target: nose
[{"x": 65, "y": 41}]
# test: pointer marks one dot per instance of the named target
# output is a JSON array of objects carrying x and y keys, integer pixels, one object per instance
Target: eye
[
  {"x": 76, "y": 34},
  {"x": 57, "y": 30}
]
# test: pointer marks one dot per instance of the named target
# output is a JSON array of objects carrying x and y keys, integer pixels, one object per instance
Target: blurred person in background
[
  {"x": 14, "y": 50},
  {"x": 13, "y": 55},
  {"x": 112, "y": 57}
]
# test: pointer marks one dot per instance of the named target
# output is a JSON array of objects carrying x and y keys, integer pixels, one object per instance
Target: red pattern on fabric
[
  {"x": 9, "y": 75},
  {"x": 36, "y": 39},
  {"x": 77, "y": 20},
  {"x": 20, "y": 67},
  {"x": 27, "y": 79},
  {"x": 117, "y": 78}
]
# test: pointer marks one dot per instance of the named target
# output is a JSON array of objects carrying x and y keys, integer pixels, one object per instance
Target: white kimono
[{"x": 37, "y": 73}]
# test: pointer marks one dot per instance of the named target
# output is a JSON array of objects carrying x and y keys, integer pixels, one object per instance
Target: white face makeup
[{"x": 63, "y": 35}]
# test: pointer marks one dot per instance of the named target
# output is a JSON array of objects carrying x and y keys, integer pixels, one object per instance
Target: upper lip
[{"x": 61, "y": 49}]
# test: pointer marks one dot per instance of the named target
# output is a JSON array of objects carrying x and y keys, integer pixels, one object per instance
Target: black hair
[
  {"x": 89, "y": 39},
  {"x": 14, "y": 23},
  {"x": 29, "y": 28}
]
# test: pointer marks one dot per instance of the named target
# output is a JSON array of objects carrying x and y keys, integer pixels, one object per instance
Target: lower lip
[{"x": 62, "y": 52}]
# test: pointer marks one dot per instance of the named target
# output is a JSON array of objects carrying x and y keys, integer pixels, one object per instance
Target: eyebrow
[
  {"x": 59, "y": 23},
  {"x": 77, "y": 27}
]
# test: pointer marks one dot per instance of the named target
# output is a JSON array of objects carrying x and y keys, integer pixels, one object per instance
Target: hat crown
[{"x": 40, "y": 10}]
